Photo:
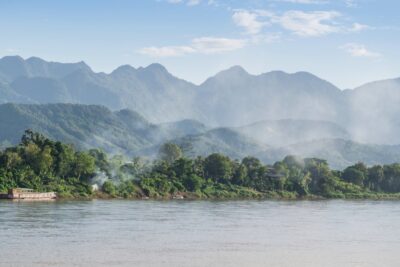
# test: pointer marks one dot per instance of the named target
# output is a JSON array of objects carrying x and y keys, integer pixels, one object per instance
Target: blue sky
[{"x": 347, "y": 42}]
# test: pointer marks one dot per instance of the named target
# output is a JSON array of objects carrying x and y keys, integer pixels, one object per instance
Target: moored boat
[{"x": 28, "y": 194}]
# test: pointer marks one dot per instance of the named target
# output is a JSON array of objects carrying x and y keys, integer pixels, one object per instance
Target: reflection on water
[{"x": 200, "y": 233}]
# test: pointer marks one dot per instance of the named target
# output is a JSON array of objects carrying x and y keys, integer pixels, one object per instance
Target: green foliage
[
  {"x": 44, "y": 165},
  {"x": 193, "y": 183},
  {"x": 353, "y": 175},
  {"x": 109, "y": 188},
  {"x": 218, "y": 167},
  {"x": 84, "y": 166},
  {"x": 170, "y": 152}
]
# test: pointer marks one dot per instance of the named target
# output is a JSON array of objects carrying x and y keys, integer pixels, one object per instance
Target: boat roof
[{"x": 23, "y": 189}]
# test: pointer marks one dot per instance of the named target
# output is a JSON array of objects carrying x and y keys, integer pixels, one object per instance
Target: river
[{"x": 200, "y": 233}]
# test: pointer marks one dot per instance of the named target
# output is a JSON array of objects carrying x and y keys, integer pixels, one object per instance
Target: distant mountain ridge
[
  {"x": 89, "y": 126},
  {"x": 12, "y": 67},
  {"x": 231, "y": 98},
  {"x": 127, "y": 132},
  {"x": 153, "y": 91}
]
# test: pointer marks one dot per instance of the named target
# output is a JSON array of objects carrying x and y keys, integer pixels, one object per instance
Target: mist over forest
[{"x": 132, "y": 111}]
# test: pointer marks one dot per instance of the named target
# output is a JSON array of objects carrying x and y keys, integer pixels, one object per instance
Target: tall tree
[
  {"x": 170, "y": 152},
  {"x": 218, "y": 167}
]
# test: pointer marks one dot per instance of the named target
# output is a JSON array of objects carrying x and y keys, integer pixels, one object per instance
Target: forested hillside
[
  {"x": 231, "y": 98},
  {"x": 127, "y": 132}
]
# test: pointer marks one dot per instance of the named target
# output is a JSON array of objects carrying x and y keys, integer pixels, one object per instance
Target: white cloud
[
  {"x": 301, "y": 23},
  {"x": 304, "y": 1},
  {"x": 350, "y": 3},
  {"x": 250, "y": 20},
  {"x": 314, "y": 23},
  {"x": 193, "y": 2},
  {"x": 203, "y": 45},
  {"x": 359, "y": 50},
  {"x": 190, "y": 2},
  {"x": 174, "y": 1},
  {"x": 357, "y": 27}
]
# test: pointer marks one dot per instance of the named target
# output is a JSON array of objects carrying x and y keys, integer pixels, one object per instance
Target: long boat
[{"x": 27, "y": 194}]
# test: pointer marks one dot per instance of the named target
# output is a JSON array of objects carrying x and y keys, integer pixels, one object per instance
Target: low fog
[{"x": 232, "y": 112}]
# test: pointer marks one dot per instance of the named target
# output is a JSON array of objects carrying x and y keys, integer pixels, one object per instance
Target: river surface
[{"x": 200, "y": 233}]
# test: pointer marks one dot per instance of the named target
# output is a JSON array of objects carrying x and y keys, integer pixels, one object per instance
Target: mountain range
[
  {"x": 127, "y": 132},
  {"x": 133, "y": 110}
]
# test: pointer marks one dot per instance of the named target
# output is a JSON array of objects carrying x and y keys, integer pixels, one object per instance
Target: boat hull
[{"x": 33, "y": 196}]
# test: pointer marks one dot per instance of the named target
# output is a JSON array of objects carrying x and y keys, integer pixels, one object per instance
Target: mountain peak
[
  {"x": 12, "y": 67},
  {"x": 12, "y": 62},
  {"x": 83, "y": 64},
  {"x": 234, "y": 70},
  {"x": 305, "y": 74},
  {"x": 124, "y": 69},
  {"x": 38, "y": 60},
  {"x": 156, "y": 67},
  {"x": 233, "y": 73},
  {"x": 15, "y": 58},
  {"x": 276, "y": 73},
  {"x": 299, "y": 74},
  {"x": 380, "y": 85},
  {"x": 35, "y": 59}
]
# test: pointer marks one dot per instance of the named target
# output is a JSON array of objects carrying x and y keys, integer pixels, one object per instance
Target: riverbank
[
  {"x": 225, "y": 196},
  {"x": 279, "y": 196},
  {"x": 48, "y": 166}
]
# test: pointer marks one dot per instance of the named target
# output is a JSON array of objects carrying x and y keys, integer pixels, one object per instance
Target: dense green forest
[{"x": 46, "y": 165}]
